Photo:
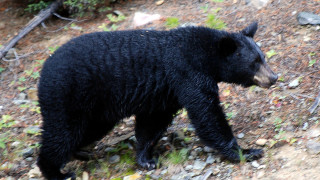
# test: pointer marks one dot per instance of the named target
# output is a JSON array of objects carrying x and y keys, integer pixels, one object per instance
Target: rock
[
  {"x": 158, "y": 3},
  {"x": 85, "y": 175},
  {"x": 210, "y": 160},
  {"x": 19, "y": 102},
  {"x": 188, "y": 24},
  {"x": 109, "y": 149},
  {"x": 313, "y": 133},
  {"x": 255, "y": 164},
  {"x": 132, "y": 177},
  {"x": 313, "y": 147},
  {"x": 2, "y": 25},
  {"x": 32, "y": 130},
  {"x": 259, "y": 3},
  {"x": 34, "y": 173},
  {"x": 240, "y": 136},
  {"x": 305, "y": 126},
  {"x": 189, "y": 167},
  {"x": 15, "y": 144},
  {"x": 207, "y": 175},
  {"x": 22, "y": 96},
  {"x": 114, "y": 159},
  {"x": 260, "y": 174},
  {"x": 32, "y": 94},
  {"x": 215, "y": 171},
  {"x": 29, "y": 159},
  {"x": 261, "y": 142},
  {"x": 295, "y": 83},
  {"x": 118, "y": 13},
  {"x": 199, "y": 165},
  {"x": 208, "y": 149},
  {"x": 141, "y": 19},
  {"x": 308, "y": 18},
  {"x": 28, "y": 152}
]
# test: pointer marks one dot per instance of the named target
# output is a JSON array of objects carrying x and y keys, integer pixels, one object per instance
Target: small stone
[
  {"x": 109, "y": 149},
  {"x": 189, "y": 167},
  {"x": 34, "y": 173},
  {"x": 164, "y": 171},
  {"x": 215, "y": 171},
  {"x": 210, "y": 160},
  {"x": 85, "y": 175},
  {"x": 240, "y": 136},
  {"x": 262, "y": 166},
  {"x": 19, "y": 102},
  {"x": 160, "y": 2},
  {"x": 22, "y": 96},
  {"x": 190, "y": 157},
  {"x": 29, "y": 159},
  {"x": 260, "y": 174},
  {"x": 2, "y": 25},
  {"x": 32, "y": 130},
  {"x": 255, "y": 164},
  {"x": 313, "y": 147},
  {"x": 199, "y": 165},
  {"x": 134, "y": 176},
  {"x": 118, "y": 13},
  {"x": 208, "y": 149},
  {"x": 305, "y": 126},
  {"x": 15, "y": 144},
  {"x": 28, "y": 152},
  {"x": 295, "y": 83},
  {"x": 259, "y": 3},
  {"x": 10, "y": 178},
  {"x": 261, "y": 142},
  {"x": 314, "y": 133},
  {"x": 308, "y": 18},
  {"x": 114, "y": 159}
]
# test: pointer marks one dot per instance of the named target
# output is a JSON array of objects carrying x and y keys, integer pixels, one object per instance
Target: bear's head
[{"x": 242, "y": 61}]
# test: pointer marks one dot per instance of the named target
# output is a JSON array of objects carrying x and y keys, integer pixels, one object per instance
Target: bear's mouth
[{"x": 265, "y": 77}]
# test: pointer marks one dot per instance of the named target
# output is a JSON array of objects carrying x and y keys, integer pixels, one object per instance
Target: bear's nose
[{"x": 273, "y": 78}]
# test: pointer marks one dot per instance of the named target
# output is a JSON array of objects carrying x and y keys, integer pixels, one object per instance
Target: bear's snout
[{"x": 265, "y": 77}]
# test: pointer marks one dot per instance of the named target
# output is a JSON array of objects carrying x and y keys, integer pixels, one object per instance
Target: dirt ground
[{"x": 278, "y": 115}]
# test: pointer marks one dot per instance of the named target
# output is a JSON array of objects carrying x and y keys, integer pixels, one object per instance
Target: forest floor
[{"x": 275, "y": 119}]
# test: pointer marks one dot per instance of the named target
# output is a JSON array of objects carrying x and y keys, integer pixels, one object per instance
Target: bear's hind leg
[{"x": 149, "y": 129}]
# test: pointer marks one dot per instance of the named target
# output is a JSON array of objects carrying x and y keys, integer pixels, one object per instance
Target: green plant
[
  {"x": 172, "y": 22},
  {"x": 81, "y": 6},
  {"x": 242, "y": 158},
  {"x": 1, "y": 69},
  {"x": 214, "y": 22},
  {"x": 6, "y": 121},
  {"x": 37, "y": 6},
  {"x": 205, "y": 8},
  {"x": 217, "y": 1},
  {"x": 271, "y": 53},
  {"x": 177, "y": 157},
  {"x": 311, "y": 61},
  {"x": 53, "y": 49},
  {"x": 115, "y": 19}
]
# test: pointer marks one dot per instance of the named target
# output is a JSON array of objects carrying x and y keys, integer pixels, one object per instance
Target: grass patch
[{"x": 172, "y": 22}]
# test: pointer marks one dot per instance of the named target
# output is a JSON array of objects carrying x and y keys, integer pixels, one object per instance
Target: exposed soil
[{"x": 279, "y": 114}]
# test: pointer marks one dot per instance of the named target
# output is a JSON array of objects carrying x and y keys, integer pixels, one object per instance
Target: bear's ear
[
  {"x": 227, "y": 46},
  {"x": 250, "y": 30}
]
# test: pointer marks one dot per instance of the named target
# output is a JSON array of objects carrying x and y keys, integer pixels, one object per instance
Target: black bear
[{"x": 92, "y": 82}]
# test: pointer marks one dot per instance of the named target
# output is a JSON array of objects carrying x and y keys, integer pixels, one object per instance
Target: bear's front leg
[
  {"x": 149, "y": 129},
  {"x": 206, "y": 114}
]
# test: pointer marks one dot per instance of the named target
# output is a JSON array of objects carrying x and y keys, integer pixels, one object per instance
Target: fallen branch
[
  {"x": 43, "y": 15},
  {"x": 315, "y": 104}
]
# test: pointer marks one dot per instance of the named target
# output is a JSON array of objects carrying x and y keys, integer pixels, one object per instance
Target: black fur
[{"x": 97, "y": 79}]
